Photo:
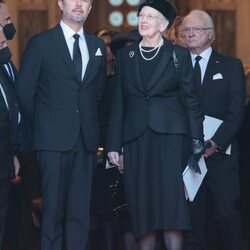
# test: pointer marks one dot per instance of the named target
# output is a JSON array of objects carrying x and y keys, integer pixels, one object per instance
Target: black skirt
[{"x": 153, "y": 166}]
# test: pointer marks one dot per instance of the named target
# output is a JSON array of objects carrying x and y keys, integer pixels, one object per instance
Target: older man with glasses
[{"x": 220, "y": 86}]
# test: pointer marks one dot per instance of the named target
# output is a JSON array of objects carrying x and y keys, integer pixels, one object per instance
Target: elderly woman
[{"x": 152, "y": 118}]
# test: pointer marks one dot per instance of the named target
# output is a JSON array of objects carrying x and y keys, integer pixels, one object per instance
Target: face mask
[
  {"x": 5, "y": 55},
  {"x": 9, "y": 30}
]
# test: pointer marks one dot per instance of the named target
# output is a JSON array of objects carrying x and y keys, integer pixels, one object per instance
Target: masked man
[{"x": 9, "y": 114}]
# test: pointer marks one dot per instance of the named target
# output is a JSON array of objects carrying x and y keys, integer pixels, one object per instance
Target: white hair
[{"x": 203, "y": 14}]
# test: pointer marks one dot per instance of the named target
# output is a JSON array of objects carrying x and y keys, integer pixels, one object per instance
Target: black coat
[
  {"x": 8, "y": 124},
  {"x": 58, "y": 103},
  {"x": 6, "y": 158},
  {"x": 163, "y": 107},
  {"x": 221, "y": 97},
  {"x": 224, "y": 98}
]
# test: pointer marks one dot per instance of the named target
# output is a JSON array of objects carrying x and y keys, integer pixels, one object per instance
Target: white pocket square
[
  {"x": 217, "y": 76},
  {"x": 98, "y": 52}
]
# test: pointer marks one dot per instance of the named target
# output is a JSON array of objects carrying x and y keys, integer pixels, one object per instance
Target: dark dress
[
  {"x": 153, "y": 120},
  {"x": 153, "y": 174}
]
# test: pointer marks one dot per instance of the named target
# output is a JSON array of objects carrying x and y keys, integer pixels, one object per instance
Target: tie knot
[
  {"x": 76, "y": 36},
  {"x": 198, "y": 58}
]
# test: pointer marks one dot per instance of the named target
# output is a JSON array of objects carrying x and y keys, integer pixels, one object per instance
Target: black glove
[{"x": 197, "y": 150}]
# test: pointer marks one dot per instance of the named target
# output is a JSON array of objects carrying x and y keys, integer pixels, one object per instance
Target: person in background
[
  {"x": 174, "y": 34},
  {"x": 18, "y": 220},
  {"x": 102, "y": 235},
  {"x": 153, "y": 125},
  {"x": 61, "y": 83},
  {"x": 106, "y": 35},
  {"x": 124, "y": 39},
  {"x": 9, "y": 117},
  {"x": 220, "y": 87}
]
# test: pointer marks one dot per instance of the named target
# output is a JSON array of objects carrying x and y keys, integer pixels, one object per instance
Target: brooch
[{"x": 131, "y": 54}]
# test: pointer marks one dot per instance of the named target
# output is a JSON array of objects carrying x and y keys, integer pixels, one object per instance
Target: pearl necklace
[{"x": 157, "y": 48}]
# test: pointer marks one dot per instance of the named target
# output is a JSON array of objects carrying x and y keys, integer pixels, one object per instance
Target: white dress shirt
[
  {"x": 68, "y": 34},
  {"x": 203, "y": 62}
]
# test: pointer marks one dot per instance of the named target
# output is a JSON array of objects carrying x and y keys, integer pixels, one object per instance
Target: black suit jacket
[
  {"x": 8, "y": 124},
  {"x": 162, "y": 107},
  {"x": 224, "y": 98},
  {"x": 60, "y": 106},
  {"x": 6, "y": 75}
]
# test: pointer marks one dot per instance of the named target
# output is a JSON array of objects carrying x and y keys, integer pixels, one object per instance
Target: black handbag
[{"x": 119, "y": 203}]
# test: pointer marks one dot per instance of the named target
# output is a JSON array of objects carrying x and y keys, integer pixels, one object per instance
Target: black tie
[
  {"x": 77, "y": 58},
  {"x": 197, "y": 74}
]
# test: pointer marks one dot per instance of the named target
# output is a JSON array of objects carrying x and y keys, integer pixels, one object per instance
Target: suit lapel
[
  {"x": 6, "y": 93},
  {"x": 213, "y": 66},
  {"x": 162, "y": 66},
  {"x": 135, "y": 64},
  {"x": 91, "y": 49},
  {"x": 6, "y": 74},
  {"x": 62, "y": 49}
]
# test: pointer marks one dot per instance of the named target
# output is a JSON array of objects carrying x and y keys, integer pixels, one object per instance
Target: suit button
[
  {"x": 146, "y": 98},
  {"x": 77, "y": 111}
]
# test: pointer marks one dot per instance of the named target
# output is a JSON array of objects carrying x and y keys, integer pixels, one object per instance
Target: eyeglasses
[
  {"x": 148, "y": 17},
  {"x": 195, "y": 29}
]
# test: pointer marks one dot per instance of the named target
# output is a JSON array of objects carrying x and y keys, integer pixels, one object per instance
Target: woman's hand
[
  {"x": 211, "y": 149},
  {"x": 120, "y": 168},
  {"x": 197, "y": 149},
  {"x": 16, "y": 179},
  {"x": 114, "y": 158}
]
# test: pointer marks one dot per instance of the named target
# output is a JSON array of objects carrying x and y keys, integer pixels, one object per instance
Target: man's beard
[{"x": 75, "y": 19}]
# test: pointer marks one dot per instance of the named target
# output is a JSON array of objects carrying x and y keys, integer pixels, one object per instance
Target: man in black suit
[
  {"x": 9, "y": 115},
  {"x": 61, "y": 81},
  {"x": 220, "y": 84}
]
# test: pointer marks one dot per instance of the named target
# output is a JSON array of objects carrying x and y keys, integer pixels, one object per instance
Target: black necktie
[
  {"x": 197, "y": 74},
  {"x": 77, "y": 58}
]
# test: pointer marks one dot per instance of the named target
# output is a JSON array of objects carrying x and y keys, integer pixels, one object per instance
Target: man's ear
[
  {"x": 212, "y": 36},
  {"x": 60, "y": 4},
  {"x": 89, "y": 9}
]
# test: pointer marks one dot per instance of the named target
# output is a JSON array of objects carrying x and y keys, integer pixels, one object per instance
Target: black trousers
[
  {"x": 214, "y": 212},
  {"x": 4, "y": 193},
  {"x": 66, "y": 187}
]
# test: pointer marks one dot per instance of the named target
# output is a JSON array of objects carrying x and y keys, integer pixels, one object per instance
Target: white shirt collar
[
  {"x": 68, "y": 32},
  {"x": 205, "y": 55}
]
